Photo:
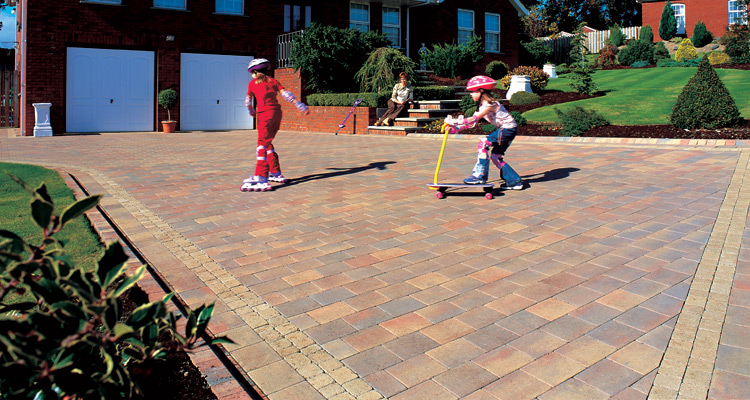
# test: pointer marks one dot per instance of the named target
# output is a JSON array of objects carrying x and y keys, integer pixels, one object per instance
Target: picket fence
[{"x": 594, "y": 42}]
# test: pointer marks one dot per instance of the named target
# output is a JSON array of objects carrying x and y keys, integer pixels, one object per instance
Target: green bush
[
  {"x": 701, "y": 35},
  {"x": 535, "y": 52},
  {"x": 640, "y": 64},
  {"x": 582, "y": 80},
  {"x": 562, "y": 69},
  {"x": 452, "y": 60},
  {"x": 434, "y": 126},
  {"x": 167, "y": 99},
  {"x": 348, "y": 99},
  {"x": 705, "y": 102},
  {"x": 496, "y": 69},
  {"x": 737, "y": 43},
  {"x": 686, "y": 51},
  {"x": 434, "y": 93},
  {"x": 466, "y": 103},
  {"x": 470, "y": 111},
  {"x": 616, "y": 37},
  {"x": 382, "y": 68},
  {"x": 522, "y": 98},
  {"x": 718, "y": 57},
  {"x": 488, "y": 128},
  {"x": 72, "y": 341},
  {"x": 668, "y": 62},
  {"x": 520, "y": 120},
  {"x": 327, "y": 58},
  {"x": 667, "y": 23},
  {"x": 645, "y": 34},
  {"x": 661, "y": 52},
  {"x": 637, "y": 50},
  {"x": 577, "y": 121},
  {"x": 538, "y": 77}
]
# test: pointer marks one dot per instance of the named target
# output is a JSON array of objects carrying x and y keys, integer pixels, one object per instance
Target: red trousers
[{"x": 268, "y": 124}]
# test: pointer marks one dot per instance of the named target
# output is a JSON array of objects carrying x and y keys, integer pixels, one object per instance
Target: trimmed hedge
[
  {"x": 705, "y": 102},
  {"x": 522, "y": 98},
  {"x": 377, "y": 99}
]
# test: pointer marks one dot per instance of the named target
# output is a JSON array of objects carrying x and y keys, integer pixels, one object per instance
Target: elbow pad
[
  {"x": 300, "y": 106},
  {"x": 248, "y": 102},
  {"x": 288, "y": 96}
]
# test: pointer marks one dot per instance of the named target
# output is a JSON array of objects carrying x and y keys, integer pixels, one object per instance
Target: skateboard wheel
[
  {"x": 488, "y": 196},
  {"x": 439, "y": 195}
]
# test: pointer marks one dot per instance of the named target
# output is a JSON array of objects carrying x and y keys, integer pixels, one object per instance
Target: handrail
[{"x": 284, "y": 48}]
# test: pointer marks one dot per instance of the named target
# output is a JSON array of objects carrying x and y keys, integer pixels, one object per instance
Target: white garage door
[
  {"x": 212, "y": 92},
  {"x": 109, "y": 90}
]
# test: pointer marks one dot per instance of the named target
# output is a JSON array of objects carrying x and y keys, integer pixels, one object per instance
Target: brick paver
[{"x": 620, "y": 271}]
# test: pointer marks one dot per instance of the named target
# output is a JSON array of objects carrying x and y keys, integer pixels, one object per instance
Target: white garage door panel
[
  {"x": 213, "y": 91},
  {"x": 109, "y": 90}
]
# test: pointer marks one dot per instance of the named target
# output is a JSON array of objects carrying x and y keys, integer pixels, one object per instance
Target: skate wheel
[
  {"x": 439, "y": 195},
  {"x": 488, "y": 196}
]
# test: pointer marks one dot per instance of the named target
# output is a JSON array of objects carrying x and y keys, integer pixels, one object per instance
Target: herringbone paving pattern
[{"x": 354, "y": 281}]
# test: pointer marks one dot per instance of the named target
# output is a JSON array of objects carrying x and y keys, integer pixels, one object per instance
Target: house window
[
  {"x": 174, "y": 4},
  {"x": 230, "y": 7},
  {"x": 392, "y": 25},
  {"x": 736, "y": 14},
  {"x": 465, "y": 26},
  {"x": 359, "y": 17},
  {"x": 679, "y": 14},
  {"x": 492, "y": 33},
  {"x": 296, "y": 17}
]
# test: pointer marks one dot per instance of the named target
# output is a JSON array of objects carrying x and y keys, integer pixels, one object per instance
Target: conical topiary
[
  {"x": 705, "y": 102},
  {"x": 668, "y": 23}
]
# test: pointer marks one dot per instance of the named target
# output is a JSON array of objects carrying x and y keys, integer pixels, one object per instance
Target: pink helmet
[
  {"x": 480, "y": 82},
  {"x": 258, "y": 63}
]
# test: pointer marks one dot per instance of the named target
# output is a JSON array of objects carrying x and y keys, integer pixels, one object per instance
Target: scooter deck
[{"x": 442, "y": 187}]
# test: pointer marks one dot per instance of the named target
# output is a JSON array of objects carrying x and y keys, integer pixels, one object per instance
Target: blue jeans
[{"x": 500, "y": 140}]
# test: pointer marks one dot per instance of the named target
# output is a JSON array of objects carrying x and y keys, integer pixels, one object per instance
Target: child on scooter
[
  {"x": 491, "y": 110},
  {"x": 268, "y": 111}
]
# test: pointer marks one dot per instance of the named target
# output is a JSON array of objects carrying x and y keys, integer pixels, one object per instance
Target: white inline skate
[
  {"x": 276, "y": 177},
  {"x": 255, "y": 184}
]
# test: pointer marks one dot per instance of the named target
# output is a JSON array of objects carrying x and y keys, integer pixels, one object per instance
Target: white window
[
  {"x": 392, "y": 25},
  {"x": 359, "y": 16},
  {"x": 679, "y": 14},
  {"x": 296, "y": 17},
  {"x": 230, "y": 7},
  {"x": 492, "y": 33},
  {"x": 736, "y": 14},
  {"x": 465, "y": 26},
  {"x": 175, "y": 4}
]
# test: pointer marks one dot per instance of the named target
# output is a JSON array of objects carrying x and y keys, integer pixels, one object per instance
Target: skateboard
[{"x": 443, "y": 187}]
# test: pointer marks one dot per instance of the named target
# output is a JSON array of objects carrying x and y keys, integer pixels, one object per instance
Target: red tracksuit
[{"x": 268, "y": 115}]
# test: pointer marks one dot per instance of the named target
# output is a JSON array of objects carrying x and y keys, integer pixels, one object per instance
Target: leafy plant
[
  {"x": 466, "y": 103},
  {"x": 661, "y": 52},
  {"x": 685, "y": 51},
  {"x": 496, "y": 69},
  {"x": 434, "y": 126},
  {"x": 380, "y": 71},
  {"x": 701, "y": 35},
  {"x": 705, "y": 102},
  {"x": 72, "y": 340},
  {"x": 167, "y": 99},
  {"x": 616, "y": 37},
  {"x": 578, "y": 49},
  {"x": 535, "y": 53},
  {"x": 667, "y": 23},
  {"x": 637, "y": 50},
  {"x": 607, "y": 56},
  {"x": 640, "y": 64},
  {"x": 451, "y": 60},
  {"x": 646, "y": 34},
  {"x": 577, "y": 121},
  {"x": 522, "y": 98},
  {"x": 737, "y": 43},
  {"x": 539, "y": 78},
  {"x": 328, "y": 57},
  {"x": 719, "y": 57},
  {"x": 520, "y": 120}
]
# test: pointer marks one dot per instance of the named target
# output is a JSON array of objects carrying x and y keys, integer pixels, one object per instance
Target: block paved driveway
[{"x": 620, "y": 271}]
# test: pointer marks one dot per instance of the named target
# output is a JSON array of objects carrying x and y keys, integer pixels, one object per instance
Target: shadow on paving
[{"x": 339, "y": 172}]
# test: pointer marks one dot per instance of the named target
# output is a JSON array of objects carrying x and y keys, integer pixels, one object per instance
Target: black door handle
[
  {"x": 217, "y": 101},
  {"x": 111, "y": 101}
]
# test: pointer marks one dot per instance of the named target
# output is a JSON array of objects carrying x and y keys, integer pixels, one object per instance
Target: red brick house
[
  {"x": 101, "y": 63},
  {"x": 716, "y": 14}
]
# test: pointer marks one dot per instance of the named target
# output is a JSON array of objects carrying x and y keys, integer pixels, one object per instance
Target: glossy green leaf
[
  {"x": 112, "y": 264},
  {"x": 77, "y": 209},
  {"x": 128, "y": 282},
  {"x": 41, "y": 211}
]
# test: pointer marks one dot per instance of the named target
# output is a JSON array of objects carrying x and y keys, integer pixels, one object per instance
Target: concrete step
[
  {"x": 441, "y": 113},
  {"x": 391, "y": 130},
  {"x": 435, "y": 104},
  {"x": 414, "y": 121}
]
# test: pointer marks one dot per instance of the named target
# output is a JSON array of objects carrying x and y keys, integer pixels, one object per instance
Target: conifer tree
[
  {"x": 705, "y": 102},
  {"x": 668, "y": 23}
]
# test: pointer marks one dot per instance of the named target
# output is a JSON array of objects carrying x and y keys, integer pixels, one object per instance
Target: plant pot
[{"x": 168, "y": 126}]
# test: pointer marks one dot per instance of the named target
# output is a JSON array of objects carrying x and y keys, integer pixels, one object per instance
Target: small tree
[
  {"x": 167, "y": 99},
  {"x": 537, "y": 23},
  {"x": 705, "y": 102},
  {"x": 381, "y": 69},
  {"x": 616, "y": 37},
  {"x": 737, "y": 43},
  {"x": 535, "y": 53},
  {"x": 668, "y": 23},
  {"x": 578, "y": 49},
  {"x": 646, "y": 34},
  {"x": 701, "y": 35},
  {"x": 452, "y": 60}
]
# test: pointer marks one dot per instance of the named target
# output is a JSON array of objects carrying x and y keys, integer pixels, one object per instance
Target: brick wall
[{"x": 714, "y": 13}]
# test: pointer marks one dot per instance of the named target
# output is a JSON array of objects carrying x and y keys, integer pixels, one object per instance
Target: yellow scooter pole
[{"x": 445, "y": 128}]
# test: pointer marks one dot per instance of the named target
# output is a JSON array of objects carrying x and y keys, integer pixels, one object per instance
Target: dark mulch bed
[{"x": 665, "y": 131}]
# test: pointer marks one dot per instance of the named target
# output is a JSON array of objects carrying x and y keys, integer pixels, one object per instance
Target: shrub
[
  {"x": 466, "y": 103},
  {"x": 562, "y": 69},
  {"x": 453, "y": 60},
  {"x": 667, "y": 23},
  {"x": 637, "y": 50},
  {"x": 347, "y": 99},
  {"x": 704, "y": 102},
  {"x": 434, "y": 126},
  {"x": 577, "y": 121},
  {"x": 719, "y": 57},
  {"x": 73, "y": 341},
  {"x": 538, "y": 77},
  {"x": 381, "y": 70},
  {"x": 661, "y": 52},
  {"x": 535, "y": 52},
  {"x": 167, "y": 99},
  {"x": 607, "y": 56},
  {"x": 701, "y": 35},
  {"x": 737, "y": 43},
  {"x": 434, "y": 93},
  {"x": 521, "y": 98},
  {"x": 328, "y": 57},
  {"x": 640, "y": 64},
  {"x": 582, "y": 81},
  {"x": 668, "y": 62},
  {"x": 470, "y": 111},
  {"x": 488, "y": 128},
  {"x": 645, "y": 34},
  {"x": 496, "y": 69},
  {"x": 616, "y": 37},
  {"x": 520, "y": 120},
  {"x": 685, "y": 51}
]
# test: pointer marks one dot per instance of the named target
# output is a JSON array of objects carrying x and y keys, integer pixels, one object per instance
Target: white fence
[{"x": 594, "y": 42}]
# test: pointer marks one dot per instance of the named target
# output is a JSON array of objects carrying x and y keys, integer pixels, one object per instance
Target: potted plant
[{"x": 167, "y": 99}]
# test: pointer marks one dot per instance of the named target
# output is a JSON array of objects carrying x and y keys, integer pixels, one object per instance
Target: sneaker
[
  {"x": 252, "y": 179},
  {"x": 517, "y": 186},
  {"x": 473, "y": 180},
  {"x": 276, "y": 177}
]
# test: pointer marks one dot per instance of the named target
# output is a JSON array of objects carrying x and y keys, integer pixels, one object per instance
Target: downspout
[
  {"x": 408, "y": 20},
  {"x": 23, "y": 50}
]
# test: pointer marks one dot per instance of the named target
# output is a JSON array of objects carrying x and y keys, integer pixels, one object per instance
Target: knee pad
[
  {"x": 483, "y": 148},
  {"x": 260, "y": 152},
  {"x": 497, "y": 159}
]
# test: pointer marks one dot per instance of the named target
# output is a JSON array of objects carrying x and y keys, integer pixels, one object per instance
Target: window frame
[
  {"x": 184, "y": 5},
  {"x": 226, "y": 12},
  {"x": 680, "y": 17},
  {"x": 397, "y": 26},
  {"x": 735, "y": 15},
  {"x": 489, "y": 32},
  {"x": 461, "y": 29},
  {"x": 305, "y": 17},
  {"x": 355, "y": 23}
]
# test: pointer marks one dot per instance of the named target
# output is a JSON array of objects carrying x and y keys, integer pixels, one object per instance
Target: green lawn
[
  {"x": 15, "y": 214},
  {"x": 642, "y": 96}
]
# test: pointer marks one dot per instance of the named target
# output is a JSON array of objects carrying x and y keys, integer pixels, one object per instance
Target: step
[
  {"x": 391, "y": 130},
  {"x": 435, "y": 104},
  {"x": 414, "y": 121},
  {"x": 427, "y": 113}
]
